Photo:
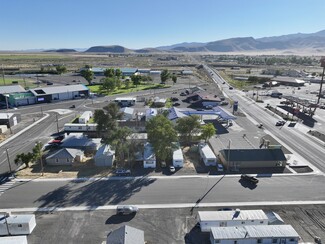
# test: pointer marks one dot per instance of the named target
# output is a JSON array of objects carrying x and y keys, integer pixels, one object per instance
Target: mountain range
[{"x": 314, "y": 42}]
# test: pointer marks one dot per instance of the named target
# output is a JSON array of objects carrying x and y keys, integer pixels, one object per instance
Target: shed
[
  {"x": 238, "y": 159},
  {"x": 209, "y": 219},
  {"x": 125, "y": 235},
  {"x": 127, "y": 113},
  {"x": 207, "y": 155},
  {"x": 105, "y": 156},
  {"x": 159, "y": 102},
  {"x": 64, "y": 156},
  {"x": 9, "y": 119},
  {"x": 276, "y": 234},
  {"x": 85, "y": 117},
  {"x": 17, "y": 224},
  {"x": 149, "y": 157}
]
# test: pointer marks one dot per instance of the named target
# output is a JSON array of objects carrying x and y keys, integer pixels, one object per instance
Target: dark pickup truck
[{"x": 249, "y": 178}]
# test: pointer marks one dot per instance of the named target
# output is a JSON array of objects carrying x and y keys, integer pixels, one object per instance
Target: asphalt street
[{"x": 163, "y": 191}]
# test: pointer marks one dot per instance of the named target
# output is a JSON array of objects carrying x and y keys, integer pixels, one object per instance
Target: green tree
[
  {"x": 136, "y": 79},
  {"x": 174, "y": 79},
  {"x": 164, "y": 76},
  {"x": 188, "y": 126},
  {"x": 119, "y": 142},
  {"x": 109, "y": 72},
  {"x": 60, "y": 69},
  {"x": 207, "y": 131},
  {"x": 38, "y": 154},
  {"x": 118, "y": 73},
  {"x": 109, "y": 84},
  {"x": 127, "y": 83},
  {"x": 118, "y": 82},
  {"x": 24, "y": 158},
  {"x": 161, "y": 134},
  {"x": 88, "y": 74}
]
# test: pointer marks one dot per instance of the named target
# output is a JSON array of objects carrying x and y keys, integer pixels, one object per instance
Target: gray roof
[
  {"x": 11, "y": 89},
  {"x": 127, "y": 110},
  {"x": 274, "y": 218},
  {"x": 175, "y": 113},
  {"x": 232, "y": 215},
  {"x": 104, "y": 150},
  {"x": 254, "y": 154},
  {"x": 65, "y": 153},
  {"x": 6, "y": 115},
  {"x": 125, "y": 235},
  {"x": 58, "y": 89},
  {"x": 254, "y": 231},
  {"x": 79, "y": 140},
  {"x": 148, "y": 153}
]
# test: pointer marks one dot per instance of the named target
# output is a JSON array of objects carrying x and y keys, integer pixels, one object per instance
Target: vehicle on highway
[
  {"x": 280, "y": 123},
  {"x": 174, "y": 99},
  {"x": 176, "y": 104},
  {"x": 172, "y": 169},
  {"x": 122, "y": 172},
  {"x": 73, "y": 106},
  {"x": 126, "y": 209},
  {"x": 230, "y": 88},
  {"x": 223, "y": 103},
  {"x": 260, "y": 125},
  {"x": 249, "y": 178},
  {"x": 182, "y": 94},
  {"x": 224, "y": 82}
]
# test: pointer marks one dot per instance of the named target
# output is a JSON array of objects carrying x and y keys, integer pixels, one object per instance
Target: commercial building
[{"x": 288, "y": 81}]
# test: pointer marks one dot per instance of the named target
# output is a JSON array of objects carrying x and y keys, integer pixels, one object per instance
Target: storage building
[
  {"x": 13, "y": 240},
  {"x": 125, "y": 235},
  {"x": 105, "y": 156},
  {"x": 209, "y": 219},
  {"x": 127, "y": 113},
  {"x": 9, "y": 119},
  {"x": 85, "y": 117}
]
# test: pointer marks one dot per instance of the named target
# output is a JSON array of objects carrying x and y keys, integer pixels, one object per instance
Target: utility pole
[
  {"x": 57, "y": 122},
  {"x": 3, "y": 75},
  {"x": 229, "y": 155},
  {"x": 10, "y": 170}
]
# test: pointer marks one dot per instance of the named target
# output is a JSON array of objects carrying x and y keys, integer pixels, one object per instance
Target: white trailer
[
  {"x": 85, "y": 117},
  {"x": 207, "y": 155},
  {"x": 178, "y": 159}
]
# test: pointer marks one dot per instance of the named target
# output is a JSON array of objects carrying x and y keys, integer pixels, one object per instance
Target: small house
[
  {"x": 151, "y": 112},
  {"x": 85, "y": 117},
  {"x": 268, "y": 234},
  {"x": 17, "y": 224},
  {"x": 9, "y": 119},
  {"x": 64, "y": 156},
  {"x": 149, "y": 157},
  {"x": 125, "y": 235},
  {"x": 159, "y": 102},
  {"x": 105, "y": 156},
  {"x": 207, "y": 155},
  {"x": 127, "y": 113},
  {"x": 209, "y": 219}
]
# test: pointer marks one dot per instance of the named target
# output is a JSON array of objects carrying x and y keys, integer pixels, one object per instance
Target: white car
[{"x": 172, "y": 169}]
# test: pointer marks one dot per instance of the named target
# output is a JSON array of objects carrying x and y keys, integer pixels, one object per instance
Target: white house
[
  {"x": 252, "y": 234},
  {"x": 209, "y": 219},
  {"x": 151, "y": 112},
  {"x": 149, "y": 157},
  {"x": 207, "y": 155},
  {"x": 85, "y": 117},
  {"x": 17, "y": 224},
  {"x": 104, "y": 156},
  {"x": 127, "y": 113},
  {"x": 178, "y": 159}
]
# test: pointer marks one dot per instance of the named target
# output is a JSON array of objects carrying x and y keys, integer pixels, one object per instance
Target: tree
[
  {"x": 119, "y": 142},
  {"x": 174, "y": 78},
  {"x": 87, "y": 74},
  {"x": 188, "y": 126},
  {"x": 38, "y": 154},
  {"x": 60, "y": 69},
  {"x": 136, "y": 79},
  {"x": 118, "y": 73},
  {"x": 161, "y": 134},
  {"x": 24, "y": 158},
  {"x": 109, "y": 84},
  {"x": 109, "y": 72},
  {"x": 207, "y": 131},
  {"x": 164, "y": 76},
  {"x": 127, "y": 83}
]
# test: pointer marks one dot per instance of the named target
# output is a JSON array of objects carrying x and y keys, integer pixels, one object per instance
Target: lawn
[{"x": 22, "y": 82}]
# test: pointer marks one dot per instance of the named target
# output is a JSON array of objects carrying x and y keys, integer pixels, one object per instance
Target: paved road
[{"x": 163, "y": 191}]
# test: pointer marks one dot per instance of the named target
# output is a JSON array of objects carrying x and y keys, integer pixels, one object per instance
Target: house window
[
  {"x": 292, "y": 240},
  {"x": 217, "y": 241},
  {"x": 274, "y": 240},
  {"x": 243, "y": 222},
  {"x": 56, "y": 160},
  {"x": 68, "y": 160},
  {"x": 20, "y": 225},
  {"x": 259, "y": 240},
  {"x": 261, "y": 222}
]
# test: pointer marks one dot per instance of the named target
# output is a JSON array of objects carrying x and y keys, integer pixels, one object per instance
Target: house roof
[
  {"x": 58, "y": 89},
  {"x": 6, "y": 115},
  {"x": 175, "y": 113},
  {"x": 11, "y": 89},
  {"x": 253, "y": 231},
  {"x": 126, "y": 235},
  {"x": 104, "y": 150},
  {"x": 65, "y": 153},
  {"x": 128, "y": 70},
  {"x": 232, "y": 215},
  {"x": 274, "y": 218},
  {"x": 127, "y": 110},
  {"x": 254, "y": 154},
  {"x": 288, "y": 80},
  {"x": 79, "y": 140}
]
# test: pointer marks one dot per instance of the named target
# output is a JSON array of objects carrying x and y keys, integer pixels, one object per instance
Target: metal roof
[
  {"x": 127, "y": 110},
  {"x": 253, "y": 232},
  {"x": 175, "y": 113},
  {"x": 232, "y": 215},
  {"x": 264, "y": 154},
  {"x": 207, "y": 151},
  {"x": 11, "y": 89},
  {"x": 6, "y": 115},
  {"x": 126, "y": 235},
  {"x": 148, "y": 153},
  {"x": 104, "y": 150},
  {"x": 79, "y": 140},
  {"x": 58, "y": 89},
  {"x": 86, "y": 114},
  {"x": 65, "y": 153},
  {"x": 14, "y": 219},
  {"x": 178, "y": 154}
]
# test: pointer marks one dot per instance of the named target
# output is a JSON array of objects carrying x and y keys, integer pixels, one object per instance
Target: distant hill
[
  {"x": 193, "y": 45},
  {"x": 148, "y": 50},
  {"x": 63, "y": 50},
  {"x": 108, "y": 49}
]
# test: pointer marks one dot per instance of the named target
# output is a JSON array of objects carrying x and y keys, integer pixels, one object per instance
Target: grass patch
[{"x": 236, "y": 83}]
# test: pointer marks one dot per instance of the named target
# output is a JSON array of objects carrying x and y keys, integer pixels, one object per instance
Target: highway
[{"x": 163, "y": 191}]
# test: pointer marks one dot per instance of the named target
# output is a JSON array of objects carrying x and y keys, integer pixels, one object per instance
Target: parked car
[
  {"x": 174, "y": 99},
  {"x": 182, "y": 94},
  {"x": 280, "y": 123},
  {"x": 172, "y": 169},
  {"x": 209, "y": 107},
  {"x": 122, "y": 172},
  {"x": 251, "y": 179},
  {"x": 230, "y": 88},
  {"x": 224, "y": 103},
  {"x": 73, "y": 106},
  {"x": 226, "y": 209},
  {"x": 176, "y": 104},
  {"x": 222, "y": 98},
  {"x": 127, "y": 209}
]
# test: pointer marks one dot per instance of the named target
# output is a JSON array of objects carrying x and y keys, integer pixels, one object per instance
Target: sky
[{"x": 43, "y": 24}]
